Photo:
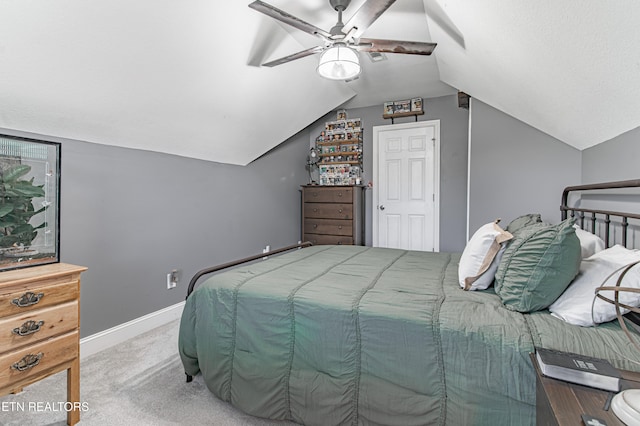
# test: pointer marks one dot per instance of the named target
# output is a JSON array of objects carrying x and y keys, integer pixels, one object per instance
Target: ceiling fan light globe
[{"x": 339, "y": 63}]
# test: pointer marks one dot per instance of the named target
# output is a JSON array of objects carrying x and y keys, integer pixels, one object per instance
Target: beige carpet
[{"x": 139, "y": 382}]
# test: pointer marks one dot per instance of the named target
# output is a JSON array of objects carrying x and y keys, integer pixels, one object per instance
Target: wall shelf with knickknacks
[
  {"x": 339, "y": 147},
  {"x": 402, "y": 114},
  {"x": 407, "y": 108}
]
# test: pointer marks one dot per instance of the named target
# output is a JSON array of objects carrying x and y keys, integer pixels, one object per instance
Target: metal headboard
[{"x": 603, "y": 217}]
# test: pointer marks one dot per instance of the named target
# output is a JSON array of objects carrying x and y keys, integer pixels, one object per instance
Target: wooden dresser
[
  {"x": 333, "y": 214},
  {"x": 40, "y": 329}
]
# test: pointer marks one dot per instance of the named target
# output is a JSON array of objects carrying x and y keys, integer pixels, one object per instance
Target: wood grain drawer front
[
  {"x": 33, "y": 360},
  {"x": 20, "y": 300},
  {"x": 328, "y": 211},
  {"x": 328, "y": 195},
  {"x": 329, "y": 226},
  {"x": 20, "y": 330},
  {"x": 318, "y": 239}
]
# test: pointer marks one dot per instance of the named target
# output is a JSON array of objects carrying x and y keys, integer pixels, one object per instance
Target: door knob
[{"x": 381, "y": 207}]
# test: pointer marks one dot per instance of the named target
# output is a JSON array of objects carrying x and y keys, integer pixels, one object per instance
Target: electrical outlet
[{"x": 172, "y": 279}]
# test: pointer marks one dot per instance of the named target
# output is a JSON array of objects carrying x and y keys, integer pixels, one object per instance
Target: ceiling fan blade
[
  {"x": 289, "y": 19},
  {"x": 294, "y": 56},
  {"x": 366, "y": 15},
  {"x": 395, "y": 46}
]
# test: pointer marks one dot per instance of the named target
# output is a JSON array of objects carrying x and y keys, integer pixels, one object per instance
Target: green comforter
[{"x": 336, "y": 335}]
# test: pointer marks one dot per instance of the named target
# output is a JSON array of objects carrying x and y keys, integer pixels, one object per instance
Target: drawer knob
[
  {"x": 27, "y": 299},
  {"x": 340, "y": 211},
  {"x": 28, "y": 361},
  {"x": 339, "y": 226},
  {"x": 28, "y": 327},
  {"x": 339, "y": 194},
  {"x": 315, "y": 225}
]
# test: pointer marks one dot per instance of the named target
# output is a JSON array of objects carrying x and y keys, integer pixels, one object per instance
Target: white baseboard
[{"x": 105, "y": 339}]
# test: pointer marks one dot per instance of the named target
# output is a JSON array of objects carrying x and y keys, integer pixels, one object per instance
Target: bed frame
[
  {"x": 206, "y": 271},
  {"x": 603, "y": 218},
  {"x": 594, "y": 217},
  {"x": 607, "y": 221}
]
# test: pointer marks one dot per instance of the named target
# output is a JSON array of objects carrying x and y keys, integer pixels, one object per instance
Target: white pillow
[
  {"x": 590, "y": 244},
  {"x": 481, "y": 256},
  {"x": 574, "y": 305}
]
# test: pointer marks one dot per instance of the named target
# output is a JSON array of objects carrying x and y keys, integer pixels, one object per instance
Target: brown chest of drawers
[
  {"x": 40, "y": 329},
  {"x": 333, "y": 214}
]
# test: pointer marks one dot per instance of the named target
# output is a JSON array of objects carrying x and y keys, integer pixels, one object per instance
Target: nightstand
[{"x": 562, "y": 403}]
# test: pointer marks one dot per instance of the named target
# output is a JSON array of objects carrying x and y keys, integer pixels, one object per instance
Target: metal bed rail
[
  {"x": 217, "y": 268},
  {"x": 595, "y": 215}
]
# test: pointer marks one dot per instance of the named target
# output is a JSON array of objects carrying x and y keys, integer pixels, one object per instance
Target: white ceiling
[{"x": 182, "y": 77}]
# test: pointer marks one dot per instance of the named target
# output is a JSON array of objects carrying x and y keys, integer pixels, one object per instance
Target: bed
[{"x": 336, "y": 335}]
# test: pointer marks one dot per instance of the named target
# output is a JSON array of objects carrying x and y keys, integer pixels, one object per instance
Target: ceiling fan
[{"x": 339, "y": 59}]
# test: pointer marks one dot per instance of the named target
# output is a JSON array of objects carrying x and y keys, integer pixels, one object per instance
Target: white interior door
[{"x": 406, "y": 159}]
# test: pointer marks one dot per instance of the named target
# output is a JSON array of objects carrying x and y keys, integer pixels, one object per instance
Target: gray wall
[
  {"x": 132, "y": 216},
  {"x": 453, "y": 161},
  {"x": 515, "y": 169},
  {"x": 616, "y": 159}
]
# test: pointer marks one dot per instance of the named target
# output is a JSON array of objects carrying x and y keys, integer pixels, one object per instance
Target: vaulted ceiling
[{"x": 183, "y": 77}]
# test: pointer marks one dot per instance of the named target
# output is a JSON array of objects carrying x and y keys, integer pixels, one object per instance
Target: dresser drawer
[
  {"x": 328, "y": 195},
  {"x": 329, "y": 226},
  {"x": 328, "y": 211},
  {"x": 25, "y": 299},
  {"x": 28, "y": 328},
  {"x": 318, "y": 239},
  {"x": 31, "y": 361}
]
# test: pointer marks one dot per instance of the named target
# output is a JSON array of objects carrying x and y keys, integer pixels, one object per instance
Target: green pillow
[
  {"x": 537, "y": 266},
  {"x": 523, "y": 221}
]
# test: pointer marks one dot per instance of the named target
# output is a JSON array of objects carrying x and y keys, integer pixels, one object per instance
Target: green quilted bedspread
[{"x": 339, "y": 335}]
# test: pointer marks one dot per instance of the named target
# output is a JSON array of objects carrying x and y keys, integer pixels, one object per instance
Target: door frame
[{"x": 436, "y": 175}]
